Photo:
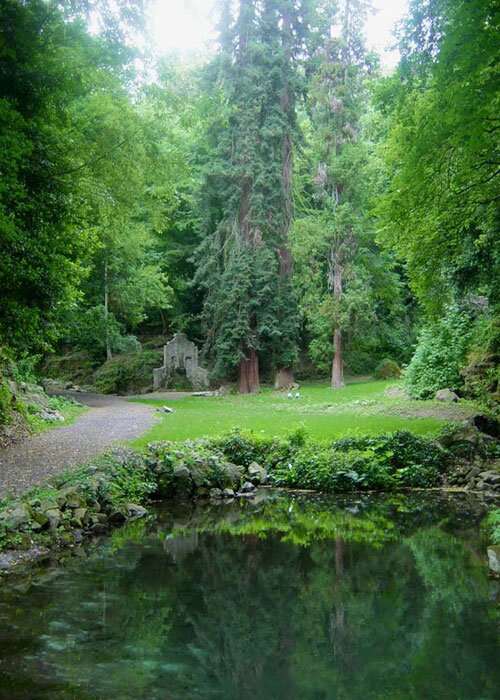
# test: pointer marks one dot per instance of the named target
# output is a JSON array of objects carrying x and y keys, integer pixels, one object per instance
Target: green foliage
[
  {"x": 441, "y": 353},
  {"x": 387, "y": 369},
  {"x": 482, "y": 372},
  {"x": 492, "y": 523},
  {"x": 440, "y": 206},
  {"x": 384, "y": 462},
  {"x": 128, "y": 373},
  {"x": 93, "y": 331}
]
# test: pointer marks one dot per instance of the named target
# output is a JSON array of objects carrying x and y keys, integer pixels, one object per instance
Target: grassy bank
[
  {"x": 90, "y": 500},
  {"x": 360, "y": 408}
]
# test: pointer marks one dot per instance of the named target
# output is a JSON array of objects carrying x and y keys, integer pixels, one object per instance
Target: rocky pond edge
[{"x": 117, "y": 487}]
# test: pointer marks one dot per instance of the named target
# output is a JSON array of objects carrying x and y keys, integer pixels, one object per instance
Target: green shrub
[
  {"x": 91, "y": 331},
  {"x": 387, "y": 369},
  {"x": 125, "y": 374},
  {"x": 243, "y": 447},
  {"x": 441, "y": 353},
  {"x": 482, "y": 378},
  {"x": 74, "y": 367},
  {"x": 382, "y": 462},
  {"x": 493, "y": 525}
]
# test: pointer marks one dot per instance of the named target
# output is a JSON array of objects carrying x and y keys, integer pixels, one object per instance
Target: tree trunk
[
  {"x": 109, "y": 354},
  {"x": 283, "y": 379},
  {"x": 249, "y": 372},
  {"x": 338, "y": 356},
  {"x": 338, "y": 361}
]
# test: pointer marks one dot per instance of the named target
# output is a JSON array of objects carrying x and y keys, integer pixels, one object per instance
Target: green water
[{"x": 292, "y": 597}]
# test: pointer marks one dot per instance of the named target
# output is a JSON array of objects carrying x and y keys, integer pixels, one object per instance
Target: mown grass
[{"x": 358, "y": 409}]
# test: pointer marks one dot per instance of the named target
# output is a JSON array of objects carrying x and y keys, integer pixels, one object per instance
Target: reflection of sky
[{"x": 187, "y": 25}]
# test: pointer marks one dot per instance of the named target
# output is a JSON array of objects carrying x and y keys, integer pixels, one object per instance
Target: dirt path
[{"x": 111, "y": 419}]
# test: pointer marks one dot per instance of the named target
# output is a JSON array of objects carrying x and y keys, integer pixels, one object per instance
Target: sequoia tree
[{"x": 245, "y": 261}]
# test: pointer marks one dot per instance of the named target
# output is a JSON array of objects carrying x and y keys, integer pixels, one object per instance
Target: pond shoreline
[
  {"x": 12, "y": 561},
  {"x": 118, "y": 488}
]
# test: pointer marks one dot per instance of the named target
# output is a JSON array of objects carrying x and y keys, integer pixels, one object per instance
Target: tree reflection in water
[{"x": 294, "y": 597}]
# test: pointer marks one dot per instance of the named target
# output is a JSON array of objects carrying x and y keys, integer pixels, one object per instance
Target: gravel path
[{"x": 109, "y": 420}]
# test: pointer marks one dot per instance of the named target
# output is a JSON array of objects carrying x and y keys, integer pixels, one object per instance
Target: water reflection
[{"x": 294, "y": 597}]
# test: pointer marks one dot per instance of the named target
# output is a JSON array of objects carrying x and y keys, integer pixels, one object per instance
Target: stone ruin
[{"x": 180, "y": 354}]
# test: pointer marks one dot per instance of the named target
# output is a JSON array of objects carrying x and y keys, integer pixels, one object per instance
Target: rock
[
  {"x": 99, "y": 529},
  {"x": 463, "y": 432},
  {"x": 134, "y": 511},
  {"x": 490, "y": 477},
  {"x": 16, "y": 517},
  {"x": 446, "y": 395},
  {"x": 69, "y": 497},
  {"x": 54, "y": 516},
  {"x": 216, "y": 493},
  {"x": 494, "y": 559},
  {"x": 182, "y": 478},
  {"x": 48, "y": 414},
  {"x": 247, "y": 487},
  {"x": 231, "y": 475},
  {"x": 47, "y": 504},
  {"x": 80, "y": 516},
  {"x": 40, "y": 518},
  {"x": 228, "y": 493},
  {"x": 257, "y": 474}
]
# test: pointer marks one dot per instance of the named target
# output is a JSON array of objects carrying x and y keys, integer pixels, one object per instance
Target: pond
[{"x": 292, "y": 596}]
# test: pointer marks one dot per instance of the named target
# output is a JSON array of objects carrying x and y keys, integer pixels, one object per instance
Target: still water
[{"x": 291, "y": 597}]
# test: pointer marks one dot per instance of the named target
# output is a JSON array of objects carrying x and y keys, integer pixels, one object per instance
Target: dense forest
[{"x": 286, "y": 203}]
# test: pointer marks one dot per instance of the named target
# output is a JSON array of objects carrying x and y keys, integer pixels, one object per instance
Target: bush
[
  {"x": 89, "y": 330},
  {"x": 493, "y": 525},
  {"x": 441, "y": 353},
  {"x": 73, "y": 367},
  {"x": 387, "y": 369},
  {"x": 125, "y": 374},
  {"x": 382, "y": 462}
]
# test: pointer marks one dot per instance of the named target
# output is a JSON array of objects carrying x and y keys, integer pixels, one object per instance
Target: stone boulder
[
  {"x": 54, "y": 517},
  {"x": 494, "y": 559},
  {"x": 182, "y": 479},
  {"x": 134, "y": 511},
  {"x": 257, "y": 474},
  {"x": 462, "y": 433},
  {"x": 446, "y": 395},
  {"x": 16, "y": 517}
]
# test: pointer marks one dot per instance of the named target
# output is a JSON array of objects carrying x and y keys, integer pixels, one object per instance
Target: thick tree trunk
[
  {"x": 249, "y": 373},
  {"x": 283, "y": 379},
  {"x": 338, "y": 355},
  {"x": 109, "y": 354},
  {"x": 338, "y": 361}
]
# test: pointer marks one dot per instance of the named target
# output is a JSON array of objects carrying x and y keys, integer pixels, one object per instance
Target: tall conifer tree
[{"x": 245, "y": 261}]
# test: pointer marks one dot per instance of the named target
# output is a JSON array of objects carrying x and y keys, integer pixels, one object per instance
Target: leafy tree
[
  {"x": 43, "y": 247},
  {"x": 440, "y": 206}
]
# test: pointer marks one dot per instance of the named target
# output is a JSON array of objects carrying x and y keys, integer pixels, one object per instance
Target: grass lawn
[{"x": 360, "y": 408}]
